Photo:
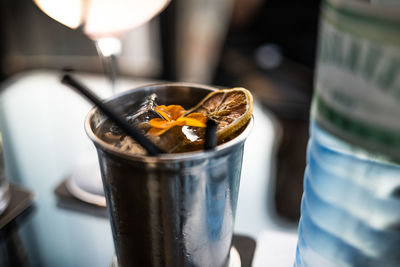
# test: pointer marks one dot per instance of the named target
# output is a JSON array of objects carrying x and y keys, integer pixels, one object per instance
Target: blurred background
[{"x": 266, "y": 46}]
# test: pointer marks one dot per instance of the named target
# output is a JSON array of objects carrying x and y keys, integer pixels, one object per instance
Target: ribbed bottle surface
[{"x": 350, "y": 211}]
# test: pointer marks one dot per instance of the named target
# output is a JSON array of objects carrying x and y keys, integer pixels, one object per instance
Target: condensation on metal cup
[{"x": 174, "y": 209}]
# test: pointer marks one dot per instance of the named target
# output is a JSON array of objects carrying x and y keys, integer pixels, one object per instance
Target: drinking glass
[{"x": 173, "y": 210}]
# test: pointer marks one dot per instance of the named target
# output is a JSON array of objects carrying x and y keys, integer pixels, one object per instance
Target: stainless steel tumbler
[
  {"x": 4, "y": 186},
  {"x": 173, "y": 209}
]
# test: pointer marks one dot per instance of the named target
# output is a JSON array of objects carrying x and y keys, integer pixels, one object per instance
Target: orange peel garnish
[{"x": 173, "y": 116}]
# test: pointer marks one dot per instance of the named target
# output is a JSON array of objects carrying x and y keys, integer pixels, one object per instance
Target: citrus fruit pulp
[{"x": 231, "y": 109}]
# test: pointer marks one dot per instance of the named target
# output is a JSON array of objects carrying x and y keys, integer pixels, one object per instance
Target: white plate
[{"x": 85, "y": 181}]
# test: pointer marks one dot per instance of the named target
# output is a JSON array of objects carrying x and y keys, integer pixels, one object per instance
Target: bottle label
[{"x": 357, "y": 80}]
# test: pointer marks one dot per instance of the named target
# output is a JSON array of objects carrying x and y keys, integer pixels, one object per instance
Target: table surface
[{"x": 42, "y": 125}]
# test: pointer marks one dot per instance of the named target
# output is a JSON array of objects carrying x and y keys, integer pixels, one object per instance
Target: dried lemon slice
[{"x": 231, "y": 109}]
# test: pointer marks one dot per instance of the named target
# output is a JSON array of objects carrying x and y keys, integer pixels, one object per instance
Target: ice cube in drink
[{"x": 188, "y": 132}]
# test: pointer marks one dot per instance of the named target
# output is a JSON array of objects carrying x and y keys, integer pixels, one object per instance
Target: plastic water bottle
[{"x": 350, "y": 211}]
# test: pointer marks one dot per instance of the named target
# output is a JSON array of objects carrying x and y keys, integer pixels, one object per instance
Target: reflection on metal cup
[
  {"x": 4, "y": 186},
  {"x": 173, "y": 209}
]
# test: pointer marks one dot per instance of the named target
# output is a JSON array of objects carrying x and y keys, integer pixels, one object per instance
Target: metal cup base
[{"x": 234, "y": 259}]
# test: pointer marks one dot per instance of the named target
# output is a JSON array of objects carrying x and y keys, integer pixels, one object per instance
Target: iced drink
[{"x": 176, "y": 209}]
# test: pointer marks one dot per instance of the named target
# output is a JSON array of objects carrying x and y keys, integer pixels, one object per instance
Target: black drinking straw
[
  {"x": 113, "y": 116},
  {"x": 211, "y": 135}
]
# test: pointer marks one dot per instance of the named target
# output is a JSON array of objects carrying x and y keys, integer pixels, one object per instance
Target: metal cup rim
[{"x": 176, "y": 157}]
